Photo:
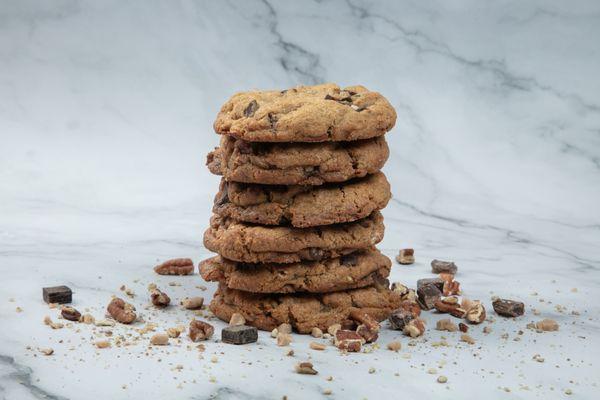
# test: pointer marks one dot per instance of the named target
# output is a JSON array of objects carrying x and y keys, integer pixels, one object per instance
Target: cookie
[
  {"x": 306, "y": 114},
  {"x": 359, "y": 269},
  {"x": 240, "y": 241},
  {"x": 303, "y": 311},
  {"x": 296, "y": 163},
  {"x": 303, "y": 206}
]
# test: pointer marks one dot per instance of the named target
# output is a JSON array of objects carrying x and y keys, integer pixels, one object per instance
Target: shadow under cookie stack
[{"x": 297, "y": 218}]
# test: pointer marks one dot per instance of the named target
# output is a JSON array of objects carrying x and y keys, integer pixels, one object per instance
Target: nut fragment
[
  {"x": 508, "y": 308},
  {"x": 160, "y": 339},
  {"x": 200, "y": 330},
  {"x": 405, "y": 293},
  {"x": 332, "y": 329},
  {"x": 406, "y": 256},
  {"x": 369, "y": 326},
  {"x": 159, "y": 298},
  {"x": 102, "y": 344},
  {"x": 317, "y": 346},
  {"x": 412, "y": 307},
  {"x": 177, "y": 266},
  {"x": 463, "y": 327},
  {"x": 121, "y": 311},
  {"x": 237, "y": 319},
  {"x": 174, "y": 332},
  {"x": 446, "y": 325},
  {"x": 394, "y": 346},
  {"x": 348, "y": 340},
  {"x": 442, "y": 379},
  {"x": 306, "y": 368},
  {"x": 104, "y": 322},
  {"x": 284, "y": 339},
  {"x": 284, "y": 328},
  {"x": 400, "y": 318},
  {"x": 70, "y": 313},
  {"x": 450, "y": 286},
  {"x": 316, "y": 332},
  {"x": 415, "y": 328},
  {"x": 192, "y": 303},
  {"x": 88, "y": 319},
  {"x": 467, "y": 339},
  {"x": 547, "y": 325},
  {"x": 476, "y": 314},
  {"x": 47, "y": 351}
]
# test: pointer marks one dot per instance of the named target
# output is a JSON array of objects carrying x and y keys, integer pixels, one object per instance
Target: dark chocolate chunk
[
  {"x": 399, "y": 318},
  {"x": 251, "y": 109},
  {"x": 438, "y": 267},
  {"x": 239, "y": 334},
  {"x": 349, "y": 260},
  {"x": 508, "y": 308},
  {"x": 57, "y": 294},
  {"x": 437, "y": 282},
  {"x": 428, "y": 294}
]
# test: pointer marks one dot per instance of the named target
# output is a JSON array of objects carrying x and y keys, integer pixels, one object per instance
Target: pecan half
[
  {"x": 176, "y": 266},
  {"x": 476, "y": 314},
  {"x": 70, "y": 313},
  {"x": 306, "y": 368},
  {"x": 415, "y": 328},
  {"x": 121, "y": 311},
  {"x": 159, "y": 298},
  {"x": 348, "y": 340},
  {"x": 450, "y": 287},
  {"x": 200, "y": 330},
  {"x": 453, "y": 309}
]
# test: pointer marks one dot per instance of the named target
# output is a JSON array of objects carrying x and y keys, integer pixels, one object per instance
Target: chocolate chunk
[
  {"x": 427, "y": 295},
  {"x": 222, "y": 196},
  {"x": 239, "y": 334},
  {"x": 243, "y": 147},
  {"x": 57, "y": 294},
  {"x": 508, "y": 308},
  {"x": 349, "y": 260},
  {"x": 316, "y": 254},
  {"x": 251, "y": 109},
  {"x": 438, "y": 267},
  {"x": 400, "y": 318},
  {"x": 437, "y": 282}
]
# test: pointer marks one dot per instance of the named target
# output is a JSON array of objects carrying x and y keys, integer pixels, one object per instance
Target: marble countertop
[{"x": 106, "y": 113}]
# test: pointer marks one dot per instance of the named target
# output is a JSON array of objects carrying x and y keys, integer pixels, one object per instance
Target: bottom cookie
[{"x": 303, "y": 311}]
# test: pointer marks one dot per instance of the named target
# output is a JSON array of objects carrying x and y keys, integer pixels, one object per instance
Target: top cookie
[{"x": 318, "y": 113}]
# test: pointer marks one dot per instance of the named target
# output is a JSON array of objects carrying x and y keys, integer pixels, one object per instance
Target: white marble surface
[{"x": 105, "y": 119}]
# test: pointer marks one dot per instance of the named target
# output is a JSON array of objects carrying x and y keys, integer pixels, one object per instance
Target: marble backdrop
[{"x": 106, "y": 111}]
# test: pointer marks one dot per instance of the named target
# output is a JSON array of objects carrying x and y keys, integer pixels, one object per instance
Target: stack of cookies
[{"x": 296, "y": 219}]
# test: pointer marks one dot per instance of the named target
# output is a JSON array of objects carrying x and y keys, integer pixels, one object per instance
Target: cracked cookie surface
[
  {"x": 303, "y": 206},
  {"x": 296, "y": 163},
  {"x": 355, "y": 270},
  {"x": 306, "y": 114},
  {"x": 303, "y": 311},
  {"x": 240, "y": 241}
]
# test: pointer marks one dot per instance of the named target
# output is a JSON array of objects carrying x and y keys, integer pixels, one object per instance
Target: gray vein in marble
[
  {"x": 513, "y": 236},
  {"x": 224, "y": 393},
  {"x": 296, "y": 60},
  {"x": 22, "y": 375},
  {"x": 422, "y": 43}
]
